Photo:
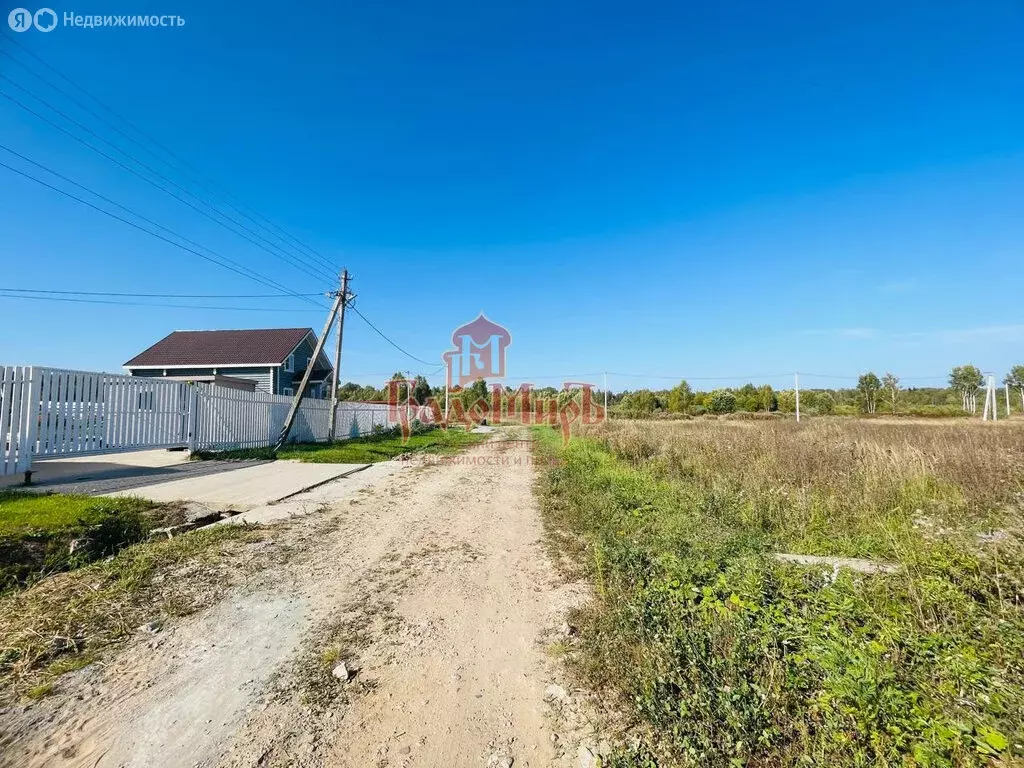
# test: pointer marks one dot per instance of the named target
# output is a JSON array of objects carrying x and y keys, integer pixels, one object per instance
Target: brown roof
[{"x": 259, "y": 346}]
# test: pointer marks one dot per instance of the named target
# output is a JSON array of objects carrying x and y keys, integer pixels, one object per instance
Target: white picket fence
[
  {"x": 46, "y": 413},
  {"x": 230, "y": 418}
]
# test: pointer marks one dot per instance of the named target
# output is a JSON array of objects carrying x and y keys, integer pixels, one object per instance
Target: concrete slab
[
  {"x": 50, "y": 471},
  {"x": 245, "y": 487},
  {"x": 313, "y": 500},
  {"x": 100, "y": 475}
]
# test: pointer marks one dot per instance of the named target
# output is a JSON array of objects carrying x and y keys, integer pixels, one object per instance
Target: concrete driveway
[
  {"x": 163, "y": 475},
  {"x": 245, "y": 487}
]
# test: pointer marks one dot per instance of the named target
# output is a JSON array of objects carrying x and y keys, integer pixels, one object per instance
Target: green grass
[
  {"x": 361, "y": 450},
  {"x": 42, "y": 534},
  {"x": 21, "y": 511},
  {"x": 723, "y": 656}
]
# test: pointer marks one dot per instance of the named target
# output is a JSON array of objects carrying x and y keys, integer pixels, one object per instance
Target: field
[{"x": 719, "y": 654}]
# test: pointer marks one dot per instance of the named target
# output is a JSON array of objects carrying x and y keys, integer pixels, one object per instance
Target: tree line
[{"x": 872, "y": 394}]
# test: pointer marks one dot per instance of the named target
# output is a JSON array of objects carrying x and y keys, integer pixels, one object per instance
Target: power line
[
  {"x": 240, "y": 269},
  {"x": 265, "y": 280},
  {"x": 133, "y": 213},
  {"x": 161, "y": 295},
  {"x": 146, "y": 303},
  {"x": 701, "y": 378},
  {"x": 268, "y": 225},
  {"x": 389, "y": 341},
  {"x": 279, "y": 253}
]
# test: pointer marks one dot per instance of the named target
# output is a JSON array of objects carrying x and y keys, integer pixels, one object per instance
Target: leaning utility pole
[
  {"x": 339, "y": 299},
  {"x": 337, "y": 357},
  {"x": 990, "y": 400}
]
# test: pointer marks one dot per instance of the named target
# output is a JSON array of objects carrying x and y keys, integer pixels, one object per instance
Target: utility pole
[
  {"x": 990, "y": 400},
  {"x": 1007, "y": 400},
  {"x": 337, "y": 357},
  {"x": 796, "y": 381},
  {"x": 297, "y": 398}
]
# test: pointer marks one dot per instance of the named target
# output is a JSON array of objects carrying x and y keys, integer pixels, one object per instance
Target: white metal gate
[{"x": 83, "y": 413}]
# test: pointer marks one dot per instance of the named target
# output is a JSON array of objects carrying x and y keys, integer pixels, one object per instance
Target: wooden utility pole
[
  {"x": 297, "y": 399},
  {"x": 337, "y": 357}
]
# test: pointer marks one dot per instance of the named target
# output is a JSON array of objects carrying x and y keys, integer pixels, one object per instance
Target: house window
[
  {"x": 288, "y": 391},
  {"x": 289, "y": 364}
]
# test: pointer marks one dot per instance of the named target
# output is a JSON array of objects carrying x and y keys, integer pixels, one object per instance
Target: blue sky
[{"x": 667, "y": 189}]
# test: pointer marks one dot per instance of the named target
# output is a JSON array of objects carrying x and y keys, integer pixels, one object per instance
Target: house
[{"x": 272, "y": 359}]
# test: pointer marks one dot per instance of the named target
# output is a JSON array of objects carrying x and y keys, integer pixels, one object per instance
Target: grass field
[
  {"x": 361, "y": 450},
  {"x": 721, "y": 655}
]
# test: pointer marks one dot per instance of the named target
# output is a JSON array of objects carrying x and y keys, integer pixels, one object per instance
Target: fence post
[
  {"x": 192, "y": 419},
  {"x": 29, "y": 430}
]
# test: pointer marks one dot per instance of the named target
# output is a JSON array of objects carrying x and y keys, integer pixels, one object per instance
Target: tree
[
  {"x": 421, "y": 391},
  {"x": 639, "y": 403},
  {"x": 891, "y": 384},
  {"x": 746, "y": 398},
  {"x": 1015, "y": 379},
  {"x": 868, "y": 386},
  {"x": 967, "y": 380},
  {"x": 680, "y": 398},
  {"x": 824, "y": 402},
  {"x": 766, "y": 400},
  {"x": 723, "y": 401},
  {"x": 474, "y": 393}
]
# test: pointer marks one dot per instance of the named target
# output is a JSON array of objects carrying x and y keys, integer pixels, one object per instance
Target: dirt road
[{"x": 431, "y": 586}]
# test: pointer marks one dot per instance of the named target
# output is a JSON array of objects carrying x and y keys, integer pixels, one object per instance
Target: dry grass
[
  {"x": 68, "y": 620},
  {"x": 725, "y": 656},
  {"x": 841, "y": 486}
]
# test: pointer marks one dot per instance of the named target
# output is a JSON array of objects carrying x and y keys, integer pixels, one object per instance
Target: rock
[
  {"x": 59, "y": 644},
  {"x": 341, "y": 672},
  {"x": 554, "y": 738},
  {"x": 586, "y": 758},
  {"x": 195, "y": 512},
  {"x": 853, "y": 563},
  {"x": 555, "y": 693},
  {"x": 993, "y": 537},
  {"x": 152, "y": 627},
  {"x": 405, "y": 750},
  {"x": 500, "y": 760}
]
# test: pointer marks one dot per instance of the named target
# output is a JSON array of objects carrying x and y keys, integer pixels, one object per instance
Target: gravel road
[{"x": 432, "y": 586}]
